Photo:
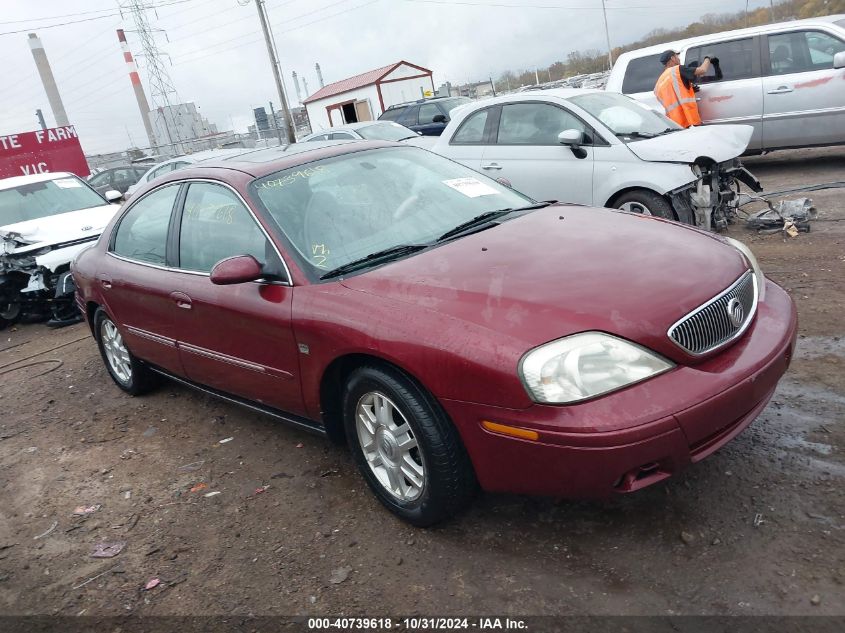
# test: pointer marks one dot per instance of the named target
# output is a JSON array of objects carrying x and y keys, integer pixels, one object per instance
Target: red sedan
[{"x": 452, "y": 331}]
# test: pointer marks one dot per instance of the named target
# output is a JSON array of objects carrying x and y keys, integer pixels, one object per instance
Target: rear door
[
  {"x": 426, "y": 124},
  {"x": 804, "y": 96},
  {"x": 527, "y": 153},
  {"x": 736, "y": 96},
  {"x": 135, "y": 289}
]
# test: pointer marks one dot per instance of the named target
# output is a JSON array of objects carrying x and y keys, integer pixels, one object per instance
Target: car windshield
[
  {"x": 43, "y": 199},
  {"x": 385, "y": 132},
  {"x": 338, "y": 210},
  {"x": 626, "y": 118}
]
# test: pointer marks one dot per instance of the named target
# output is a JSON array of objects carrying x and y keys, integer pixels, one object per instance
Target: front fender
[{"x": 662, "y": 178}]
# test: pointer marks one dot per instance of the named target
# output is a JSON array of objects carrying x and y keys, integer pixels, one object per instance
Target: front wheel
[
  {"x": 405, "y": 446},
  {"x": 127, "y": 371},
  {"x": 646, "y": 203},
  {"x": 10, "y": 312}
]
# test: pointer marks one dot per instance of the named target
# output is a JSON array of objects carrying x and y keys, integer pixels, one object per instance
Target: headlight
[
  {"x": 584, "y": 366},
  {"x": 752, "y": 261}
]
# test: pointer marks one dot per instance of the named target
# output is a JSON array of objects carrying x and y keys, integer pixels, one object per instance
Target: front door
[
  {"x": 239, "y": 338},
  {"x": 136, "y": 288},
  {"x": 803, "y": 95},
  {"x": 526, "y": 152}
]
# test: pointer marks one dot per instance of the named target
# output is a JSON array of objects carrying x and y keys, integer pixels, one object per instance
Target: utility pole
[
  {"x": 536, "y": 76},
  {"x": 772, "y": 9},
  {"x": 274, "y": 62},
  {"x": 607, "y": 35},
  {"x": 276, "y": 124},
  {"x": 40, "y": 116},
  {"x": 492, "y": 85}
]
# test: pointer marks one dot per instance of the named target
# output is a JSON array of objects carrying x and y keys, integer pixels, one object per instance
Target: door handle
[
  {"x": 105, "y": 282},
  {"x": 493, "y": 166},
  {"x": 181, "y": 299},
  {"x": 780, "y": 90}
]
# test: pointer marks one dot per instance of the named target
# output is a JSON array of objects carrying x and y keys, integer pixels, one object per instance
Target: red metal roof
[{"x": 358, "y": 81}]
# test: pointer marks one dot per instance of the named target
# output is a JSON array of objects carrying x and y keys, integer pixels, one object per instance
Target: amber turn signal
[{"x": 504, "y": 429}]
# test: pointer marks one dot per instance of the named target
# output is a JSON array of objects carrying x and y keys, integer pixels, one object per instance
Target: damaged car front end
[{"x": 45, "y": 221}]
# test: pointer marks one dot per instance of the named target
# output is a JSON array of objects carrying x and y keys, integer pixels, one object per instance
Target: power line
[{"x": 99, "y": 17}]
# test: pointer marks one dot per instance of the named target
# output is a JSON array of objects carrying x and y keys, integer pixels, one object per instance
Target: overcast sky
[{"x": 219, "y": 59}]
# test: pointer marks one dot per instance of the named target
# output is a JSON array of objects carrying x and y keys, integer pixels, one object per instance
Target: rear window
[
  {"x": 450, "y": 104},
  {"x": 391, "y": 115},
  {"x": 641, "y": 74}
]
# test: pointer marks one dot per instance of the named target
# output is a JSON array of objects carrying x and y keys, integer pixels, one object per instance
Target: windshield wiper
[
  {"x": 387, "y": 254},
  {"x": 667, "y": 131},
  {"x": 486, "y": 218},
  {"x": 637, "y": 134}
]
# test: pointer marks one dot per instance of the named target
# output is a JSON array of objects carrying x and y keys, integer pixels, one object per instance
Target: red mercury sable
[{"x": 452, "y": 331}]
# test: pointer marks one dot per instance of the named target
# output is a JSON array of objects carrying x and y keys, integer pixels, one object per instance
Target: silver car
[
  {"x": 785, "y": 80},
  {"x": 365, "y": 130}
]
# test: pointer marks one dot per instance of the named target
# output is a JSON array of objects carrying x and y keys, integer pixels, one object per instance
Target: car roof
[
  {"x": 351, "y": 127},
  {"x": 529, "y": 95},
  {"x": 426, "y": 100},
  {"x": 17, "y": 181},
  {"x": 263, "y": 161},
  {"x": 703, "y": 39}
]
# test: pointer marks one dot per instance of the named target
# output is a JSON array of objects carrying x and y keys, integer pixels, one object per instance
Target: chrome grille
[{"x": 710, "y": 326}]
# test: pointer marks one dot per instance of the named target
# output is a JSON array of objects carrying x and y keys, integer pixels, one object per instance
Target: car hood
[
  {"x": 75, "y": 226},
  {"x": 717, "y": 142},
  {"x": 566, "y": 269}
]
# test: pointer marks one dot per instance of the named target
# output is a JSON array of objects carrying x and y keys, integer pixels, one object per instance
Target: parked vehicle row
[
  {"x": 784, "y": 80},
  {"x": 455, "y": 333},
  {"x": 426, "y": 116},
  {"x": 365, "y": 131}
]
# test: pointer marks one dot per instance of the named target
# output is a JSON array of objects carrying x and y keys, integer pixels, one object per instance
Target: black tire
[
  {"x": 141, "y": 378},
  {"x": 449, "y": 480},
  {"x": 10, "y": 313},
  {"x": 648, "y": 202}
]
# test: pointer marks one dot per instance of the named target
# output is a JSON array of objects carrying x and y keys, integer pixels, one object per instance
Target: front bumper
[{"x": 641, "y": 435}]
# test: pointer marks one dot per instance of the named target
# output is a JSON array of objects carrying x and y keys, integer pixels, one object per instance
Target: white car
[
  {"x": 45, "y": 221},
  {"x": 365, "y": 130},
  {"x": 602, "y": 149},
  {"x": 179, "y": 162}
]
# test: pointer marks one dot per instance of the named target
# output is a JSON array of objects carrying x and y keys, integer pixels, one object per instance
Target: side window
[
  {"x": 427, "y": 112},
  {"x": 802, "y": 51},
  {"x": 472, "y": 129},
  {"x": 535, "y": 124},
  {"x": 641, "y": 74},
  {"x": 142, "y": 232},
  {"x": 341, "y": 136},
  {"x": 216, "y": 225},
  {"x": 155, "y": 173},
  {"x": 735, "y": 59}
]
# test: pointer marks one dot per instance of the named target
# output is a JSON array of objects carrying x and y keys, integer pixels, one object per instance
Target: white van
[{"x": 786, "y": 80}]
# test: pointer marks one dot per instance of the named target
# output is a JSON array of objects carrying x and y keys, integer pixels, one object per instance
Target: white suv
[{"x": 785, "y": 80}]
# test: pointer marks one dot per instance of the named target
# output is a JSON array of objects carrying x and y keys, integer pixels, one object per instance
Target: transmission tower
[{"x": 162, "y": 91}]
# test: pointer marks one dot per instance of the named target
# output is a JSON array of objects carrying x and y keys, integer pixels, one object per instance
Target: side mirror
[
  {"x": 236, "y": 270},
  {"x": 439, "y": 118},
  {"x": 570, "y": 137},
  {"x": 839, "y": 60},
  {"x": 113, "y": 196}
]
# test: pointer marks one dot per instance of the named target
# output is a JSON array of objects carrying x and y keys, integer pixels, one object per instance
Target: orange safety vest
[{"x": 677, "y": 99}]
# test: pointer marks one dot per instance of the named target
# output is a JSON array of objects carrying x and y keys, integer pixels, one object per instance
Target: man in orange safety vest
[{"x": 674, "y": 89}]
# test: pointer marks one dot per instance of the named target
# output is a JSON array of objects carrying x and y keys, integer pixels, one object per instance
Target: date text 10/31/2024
[{"x": 418, "y": 624}]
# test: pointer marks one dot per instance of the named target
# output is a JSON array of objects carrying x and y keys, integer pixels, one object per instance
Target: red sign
[{"x": 54, "y": 149}]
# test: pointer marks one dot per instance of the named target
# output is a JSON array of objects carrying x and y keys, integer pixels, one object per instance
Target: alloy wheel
[
  {"x": 635, "y": 207},
  {"x": 389, "y": 446},
  {"x": 116, "y": 352}
]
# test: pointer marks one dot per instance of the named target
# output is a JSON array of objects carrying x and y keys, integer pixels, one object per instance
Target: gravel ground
[{"x": 755, "y": 529}]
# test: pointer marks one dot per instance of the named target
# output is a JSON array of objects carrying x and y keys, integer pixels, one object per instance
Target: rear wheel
[
  {"x": 128, "y": 372},
  {"x": 645, "y": 202},
  {"x": 406, "y": 448}
]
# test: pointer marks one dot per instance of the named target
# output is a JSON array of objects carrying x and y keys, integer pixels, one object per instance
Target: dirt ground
[{"x": 758, "y": 528}]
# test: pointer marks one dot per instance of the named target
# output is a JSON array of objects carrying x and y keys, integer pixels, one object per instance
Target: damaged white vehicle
[
  {"x": 602, "y": 149},
  {"x": 45, "y": 221}
]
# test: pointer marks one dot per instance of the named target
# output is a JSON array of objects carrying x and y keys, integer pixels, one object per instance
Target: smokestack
[
  {"x": 305, "y": 86},
  {"x": 319, "y": 75},
  {"x": 139, "y": 89},
  {"x": 46, "y": 73},
  {"x": 296, "y": 85}
]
